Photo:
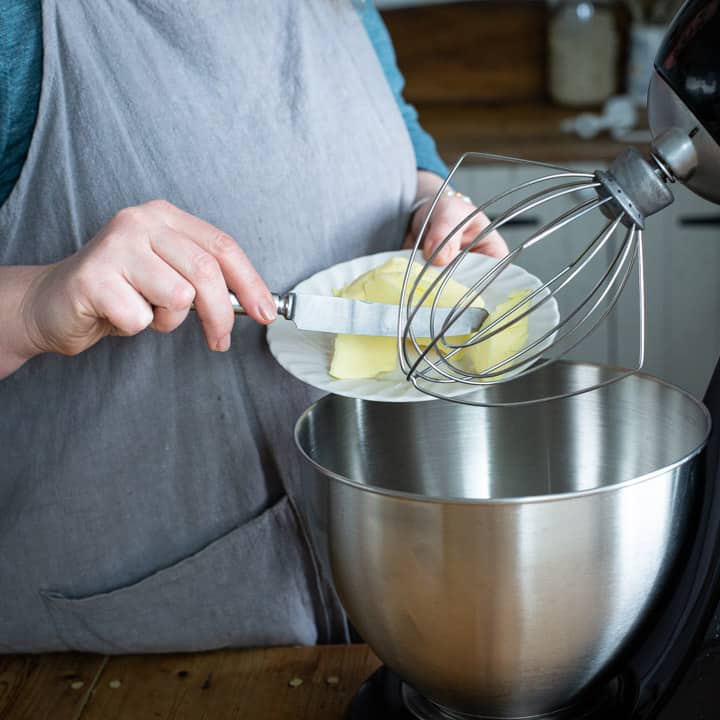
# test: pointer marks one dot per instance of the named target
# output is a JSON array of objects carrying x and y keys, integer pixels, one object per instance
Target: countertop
[
  {"x": 529, "y": 130},
  {"x": 262, "y": 684}
]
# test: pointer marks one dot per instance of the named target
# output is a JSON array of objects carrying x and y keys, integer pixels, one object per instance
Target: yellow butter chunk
[
  {"x": 362, "y": 356},
  {"x": 357, "y": 356},
  {"x": 506, "y": 343}
]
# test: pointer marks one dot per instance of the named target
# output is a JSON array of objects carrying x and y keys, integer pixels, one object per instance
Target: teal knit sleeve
[
  {"x": 426, "y": 154},
  {"x": 20, "y": 78}
]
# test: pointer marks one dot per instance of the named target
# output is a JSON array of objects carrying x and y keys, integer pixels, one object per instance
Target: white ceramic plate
[{"x": 307, "y": 355}]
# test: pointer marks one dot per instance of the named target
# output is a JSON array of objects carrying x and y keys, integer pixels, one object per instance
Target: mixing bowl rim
[{"x": 520, "y": 499}]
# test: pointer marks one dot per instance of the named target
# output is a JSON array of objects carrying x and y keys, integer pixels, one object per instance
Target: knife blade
[{"x": 329, "y": 314}]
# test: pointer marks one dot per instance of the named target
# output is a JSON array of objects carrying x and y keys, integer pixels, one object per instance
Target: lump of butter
[
  {"x": 357, "y": 356},
  {"x": 477, "y": 358}
]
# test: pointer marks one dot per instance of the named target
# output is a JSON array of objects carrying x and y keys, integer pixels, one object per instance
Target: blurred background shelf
[
  {"x": 477, "y": 74},
  {"x": 528, "y": 129}
]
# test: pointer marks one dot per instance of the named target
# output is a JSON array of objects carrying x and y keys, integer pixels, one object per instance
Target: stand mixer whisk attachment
[
  {"x": 574, "y": 297},
  {"x": 588, "y": 241}
]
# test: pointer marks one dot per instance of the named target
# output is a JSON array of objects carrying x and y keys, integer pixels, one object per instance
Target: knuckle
[
  {"x": 134, "y": 323},
  {"x": 222, "y": 245},
  {"x": 204, "y": 267},
  {"x": 180, "y": 296},
  {"x": 133, "y": 326},
  {"x": 159, "y": 205},
  {"x": 129, "y": 216}
]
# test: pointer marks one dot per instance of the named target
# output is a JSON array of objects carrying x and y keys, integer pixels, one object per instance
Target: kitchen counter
[
  {"x": 261, "y": 684},
  {"x": 529, "y": 130}
]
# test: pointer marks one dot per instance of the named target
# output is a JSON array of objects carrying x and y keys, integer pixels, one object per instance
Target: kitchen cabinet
[
  {"x": 683, "y": 296},
  {"x": 682, "y": 265}
]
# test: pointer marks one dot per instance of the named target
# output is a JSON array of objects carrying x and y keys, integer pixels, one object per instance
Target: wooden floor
[{"x": 314, "y": 683}]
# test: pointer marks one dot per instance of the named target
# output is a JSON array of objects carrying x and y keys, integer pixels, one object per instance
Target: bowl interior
[{"x": 444, "y": 450}]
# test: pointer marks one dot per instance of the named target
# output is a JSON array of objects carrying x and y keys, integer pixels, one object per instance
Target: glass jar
[{"x": 583, "y": 50}]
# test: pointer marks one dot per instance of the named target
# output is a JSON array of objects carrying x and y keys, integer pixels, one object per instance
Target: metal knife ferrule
[{"x": 284, "y": 304}]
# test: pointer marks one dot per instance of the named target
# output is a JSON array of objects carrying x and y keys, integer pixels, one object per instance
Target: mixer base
[{"x": 383, "y": 696}]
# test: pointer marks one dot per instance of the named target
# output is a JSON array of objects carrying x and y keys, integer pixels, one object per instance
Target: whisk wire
[
  {"x": 439, "y": 359},
  {"x": 478, "y": 288},
  {"x": 606, "y": 282},
  {"x": 523, "y": 356},
  {"x": 486, "y": 332}
]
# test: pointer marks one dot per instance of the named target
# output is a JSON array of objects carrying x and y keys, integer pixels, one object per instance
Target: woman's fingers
[
  {"x": 449, "y": 213},
  {"x": 144, "y": 268},
  {"x": 123, "y": 307},
  {"x": 239, "y": 274},
  {"x": 437, "y": 232},
  {"x": 169, "y": 293},
  {"x": 201, "y": 263},
  {"x": 445, "y": 217},
  {"x": 160, "y": 283},
  {"x": 166, "y": 321},
  {"x": 492, "y": 244},
  {"x": 202, "y": 271}
]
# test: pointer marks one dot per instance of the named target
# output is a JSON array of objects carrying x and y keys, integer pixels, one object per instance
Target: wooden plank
[
  {"x": 491, "y": 50},
  {"x": 247, "y": 684},
  {"x": 46, "y": 687}
]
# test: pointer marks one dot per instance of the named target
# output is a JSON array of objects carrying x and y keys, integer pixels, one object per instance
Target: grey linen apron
[{"x": 149, "y": 487}]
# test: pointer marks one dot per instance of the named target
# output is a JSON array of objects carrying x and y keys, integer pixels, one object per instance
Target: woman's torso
[{"x": 149, "y": 486}]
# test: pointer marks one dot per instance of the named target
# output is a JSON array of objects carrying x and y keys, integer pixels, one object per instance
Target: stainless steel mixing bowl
[{"x": 499, "y": 559}]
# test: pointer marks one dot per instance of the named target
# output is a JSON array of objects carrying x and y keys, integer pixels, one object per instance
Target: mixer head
[{"x": 591, "y": 227}]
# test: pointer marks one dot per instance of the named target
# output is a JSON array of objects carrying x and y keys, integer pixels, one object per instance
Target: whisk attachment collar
[{"x": 637, "y": 189}]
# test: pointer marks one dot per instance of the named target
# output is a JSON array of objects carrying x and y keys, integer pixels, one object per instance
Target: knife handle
[{"x": 284, "y": 304}]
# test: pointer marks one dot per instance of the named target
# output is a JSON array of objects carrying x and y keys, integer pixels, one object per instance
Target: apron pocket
[{"x": 254, "y": 586}]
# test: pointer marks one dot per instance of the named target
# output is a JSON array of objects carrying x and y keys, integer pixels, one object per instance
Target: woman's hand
[
  {"x": 145, "y": 268},
  {"x": 452, "y": 208}
]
